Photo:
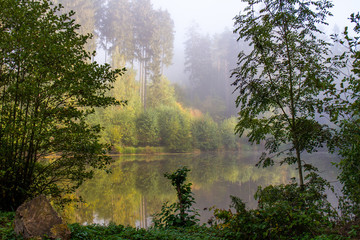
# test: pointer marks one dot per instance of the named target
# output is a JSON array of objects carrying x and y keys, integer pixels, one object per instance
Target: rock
[{"x": 37, "y": 218}]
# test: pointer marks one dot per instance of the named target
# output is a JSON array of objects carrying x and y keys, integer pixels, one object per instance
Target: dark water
[{"x": 136, "y": 188}]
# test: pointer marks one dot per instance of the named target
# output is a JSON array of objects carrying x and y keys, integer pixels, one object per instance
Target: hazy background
[{"x": 213, "y": 16}]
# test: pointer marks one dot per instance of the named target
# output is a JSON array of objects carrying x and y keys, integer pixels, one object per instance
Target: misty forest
[{"x": 256, "y": 137}]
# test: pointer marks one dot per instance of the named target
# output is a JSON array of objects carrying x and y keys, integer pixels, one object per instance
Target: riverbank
[{"x": 112, "y": 231}]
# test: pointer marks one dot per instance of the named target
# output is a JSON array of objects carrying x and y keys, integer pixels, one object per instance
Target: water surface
[{"x": 136, "y": 188}]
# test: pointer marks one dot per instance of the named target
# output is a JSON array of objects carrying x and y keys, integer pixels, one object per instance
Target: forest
[
  {"x": 159, "y": 113},
  {"x": 81, "y": 81}
]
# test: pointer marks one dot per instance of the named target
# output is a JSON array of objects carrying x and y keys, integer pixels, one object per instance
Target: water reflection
[{"x": 136, "y": 187}]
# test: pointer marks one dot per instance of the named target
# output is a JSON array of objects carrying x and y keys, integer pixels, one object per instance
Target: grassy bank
[{"x": 113, "y": 231}]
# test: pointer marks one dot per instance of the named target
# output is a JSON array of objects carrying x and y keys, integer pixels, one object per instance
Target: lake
[{"x": 136, "y": 188}]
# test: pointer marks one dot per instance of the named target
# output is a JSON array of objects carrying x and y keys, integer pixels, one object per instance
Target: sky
[{"x": 214, "y": 16}]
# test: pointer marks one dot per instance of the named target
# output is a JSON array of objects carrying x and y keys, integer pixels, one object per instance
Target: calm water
[{"x": 136, "y": 187}]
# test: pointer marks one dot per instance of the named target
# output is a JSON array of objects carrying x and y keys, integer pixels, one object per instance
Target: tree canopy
[
  {"x": 280, "y": 80},
  {"x": 48, "y": 87},
  {"x": 344, "y": 111}
]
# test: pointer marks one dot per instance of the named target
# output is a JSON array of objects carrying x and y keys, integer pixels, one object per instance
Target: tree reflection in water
[{"x": 136, "y": 187}]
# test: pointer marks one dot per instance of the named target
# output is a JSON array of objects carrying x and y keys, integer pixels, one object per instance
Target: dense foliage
[
  {"x": 166, "y": 123},
  {"x": 49, "y": 138},
  {"x": 345, "y": 112},
  {"x": 284, "y": 212},
  {"x": 112, "y": 231},
  {"x": 280, "y": 80},
  {"x": 48, "y": 87},
  {"x": 129, "y": 32}
]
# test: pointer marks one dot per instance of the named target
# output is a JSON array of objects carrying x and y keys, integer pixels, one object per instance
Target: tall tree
[
  {"x": 143, "y": 30},
  {"x": 198, "y": 64},
  {"x": 119, "y": 21},
  {"x": 345, "y": 112},
  {"x": 103, "y": 18},
  {"x": 162, "y": 42},
  {"x": 224, "y": 55},
  {"x": 280, "y": 80},
  {"x": 85, "y": 16},
  {"x": 48, "y": 86},
  {"x": 153, "y": 37}
]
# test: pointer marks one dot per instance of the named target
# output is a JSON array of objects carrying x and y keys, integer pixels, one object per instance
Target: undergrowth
[{"x": 79, "y": 232}]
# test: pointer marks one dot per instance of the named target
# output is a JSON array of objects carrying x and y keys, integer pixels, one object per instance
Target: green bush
[
  {"x": 180, "y": 214},
  {"x": 205, "y": 134},
  {"x": 148, "y": 129},
  {"x": 6, "y": 226},
  {"x": 175, "y": 132},
  {"x": 284, "y": 212},
  {"x": 141, "y": 150},
  {"x": 228, "y": 137},
  {"x": 112, "y": 231}
]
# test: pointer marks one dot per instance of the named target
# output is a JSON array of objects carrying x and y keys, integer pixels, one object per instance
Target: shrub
[
  {"x": 148, "y": 129},
  {"x": 284, "y": 212},
  {"x": 205, "y": 134},
  {"x": 180, "y": 214},
  {"x": 174, "y": 128}
]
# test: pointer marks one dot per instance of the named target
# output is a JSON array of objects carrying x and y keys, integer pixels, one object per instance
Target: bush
[
  {"x": 205, "y": 134},
  {"x": 148, "y": 129},
  {"x": 6, "y": 226},
  {"x": 228, "y": 137},
  {"x": 112, "y": 231},
  {"x": 174, "y": 128},
  {"x": 180, "y": 214},
  {"x": 284, "y": 212}
]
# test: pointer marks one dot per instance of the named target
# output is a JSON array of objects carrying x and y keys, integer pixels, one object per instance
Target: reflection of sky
[{"x": 136, "y": 188}]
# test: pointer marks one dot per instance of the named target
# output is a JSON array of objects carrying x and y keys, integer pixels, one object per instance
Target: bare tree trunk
[{"x": 145, "y": 80}]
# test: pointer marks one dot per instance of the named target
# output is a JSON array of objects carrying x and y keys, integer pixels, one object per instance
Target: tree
[
  {"x": 279, "y": 82},
  {"x": 174, "y": 128},
  {"x": 345, "y": 112},
  {"x": 161, "y": 43},
  {"x": 161, "y": 92},
  {"x": 114, "y": 20},
  {"x": 224, "y": 55},
  {"x": 48, "y": 87},
  {"x": 153, "y": 37},
  {"x": 229, "y": 139},
  {"x": 206, "y": 135},
  {"x": 85, "y": 16},
  {"x": 198, "y": 62},
  {"x": 148, "y": 128}
]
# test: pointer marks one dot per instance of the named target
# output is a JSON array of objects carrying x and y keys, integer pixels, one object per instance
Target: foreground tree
[
  {"x": 280, "y": 80},
  {"x": 345, "y": 112},
  {"x": 48, "y": 86}
]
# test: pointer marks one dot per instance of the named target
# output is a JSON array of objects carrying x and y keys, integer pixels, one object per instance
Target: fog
[
  {"x": 189, "y": 43},
  {"x": 213, "y": 16}
]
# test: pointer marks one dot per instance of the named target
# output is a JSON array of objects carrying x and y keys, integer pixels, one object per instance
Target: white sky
[{"x": 214, "y": 16}]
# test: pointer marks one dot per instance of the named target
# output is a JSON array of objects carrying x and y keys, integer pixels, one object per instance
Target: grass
[
  {"x": 141, "y": 150},
  {"x": 7, "y": 226}
]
